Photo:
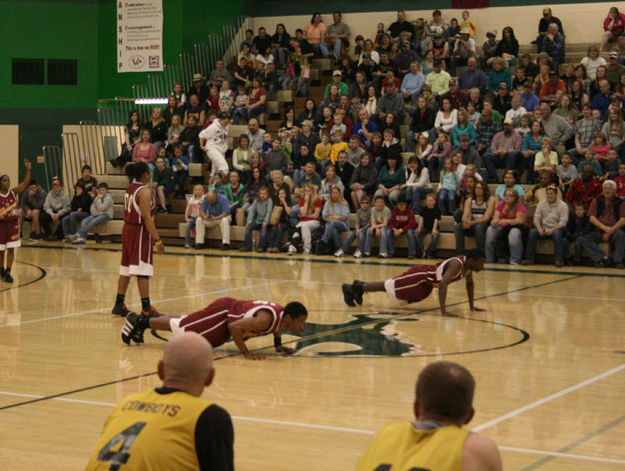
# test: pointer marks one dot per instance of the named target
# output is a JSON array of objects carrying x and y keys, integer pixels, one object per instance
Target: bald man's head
[{"x": 187, "y": 363}]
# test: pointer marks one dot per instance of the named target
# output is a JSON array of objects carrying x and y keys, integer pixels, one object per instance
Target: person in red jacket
[
  {"x": 584, "y": 190},
  {"x": 402, "y": 222},
  {"x": 620, "y": 181}
]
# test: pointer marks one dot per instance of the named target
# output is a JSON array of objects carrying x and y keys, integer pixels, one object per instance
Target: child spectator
[
  {"x": 322, "y": 152},
  {"x": 429, "y": 220},
  {"x": 380, "y": 216},
  {"x": 191, "y": 213},
  {"x": 234, "y": 191},
  {"x": 402, "y": 222},
  {"x": 180, "y": 167},
  {"x": 240, "y": 105},
  {"x": 258, "y": 218},
  {"x": 257, "y": 162},
  {"x": 267, "y": 143},
  {"x": 440, "y": 151},
  {"x": 329, "y": 182},
  {"x": 363, "y": 222},
  {"x": 578, "y": 226},
  {"x": 336, "y": 216},
  {"x": 216, "y": 184},
  {"x": 277, "y": 229},
  {"x": 101, "y": 212},
  {"x": 468, "y": 22},
  {"x": 609, "y": 164},
  {"x": 276, "y": 159},
  {"x": 163, "y": 184},
  {"x": 590, "y": 161},
  {"x": 600, "y": 145},
  {"x": 447, "y": 188},
  {"x": 309, "y": 219},
  {"x": 566, "y": 171},
  {"x": 337, "y": 145}
]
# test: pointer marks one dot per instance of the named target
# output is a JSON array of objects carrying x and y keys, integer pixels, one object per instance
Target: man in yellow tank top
[
  {"x": 171, "y": 427},
  {"x": 436, "y": 441}
]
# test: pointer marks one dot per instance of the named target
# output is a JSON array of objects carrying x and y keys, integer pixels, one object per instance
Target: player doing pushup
[{"x": 417, "y": 282}]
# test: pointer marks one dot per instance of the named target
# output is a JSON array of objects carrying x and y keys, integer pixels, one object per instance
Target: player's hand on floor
[
  {"x": 285, "y": 350},
  {"x": 477, "y": 309},
  {"x": 448, "y": 314},
  {"x": 254, "y": 356}
]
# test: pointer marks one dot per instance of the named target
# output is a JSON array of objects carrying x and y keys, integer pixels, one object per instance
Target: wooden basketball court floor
[{"x": 547, "y": 356}]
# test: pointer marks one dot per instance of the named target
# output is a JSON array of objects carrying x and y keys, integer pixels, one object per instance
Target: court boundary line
[
  {"x": 551, "y": 397},
  {"x": 333, "y": 428},
  {"x": 41, "y": 276},
  {"x": 300, "y": 258}
]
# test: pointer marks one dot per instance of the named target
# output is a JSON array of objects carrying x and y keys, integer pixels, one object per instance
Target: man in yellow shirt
[
  {"x": 436, "y": 440},
  {"x": 170, "y": 427}
]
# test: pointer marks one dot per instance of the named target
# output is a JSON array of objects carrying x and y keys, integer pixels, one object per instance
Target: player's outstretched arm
[
  {"x": 453, "y": 269},
  {"x": 22, "y": 186},
  {"x": 470, "y": 286},
  {"x": 249, "y": 327}
]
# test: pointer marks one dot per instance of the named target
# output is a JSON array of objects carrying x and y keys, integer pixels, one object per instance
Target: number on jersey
[{"x": 116, "y": 451}]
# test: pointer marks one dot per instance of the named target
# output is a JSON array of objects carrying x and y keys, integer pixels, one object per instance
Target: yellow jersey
[
  {"x": 406, "y": 446},
  {"x": 158, "y": 430}
]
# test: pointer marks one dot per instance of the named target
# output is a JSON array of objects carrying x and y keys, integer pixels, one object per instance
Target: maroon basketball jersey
[
  {"x": 419, "y": 274},
  {"x": 132, "y": 211},
  {"x": 245, "y": 309},
  {"x": 7, "y": 200}
]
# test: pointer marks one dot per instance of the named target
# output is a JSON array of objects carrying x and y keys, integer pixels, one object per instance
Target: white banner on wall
[{"x": 139, "y": 35}]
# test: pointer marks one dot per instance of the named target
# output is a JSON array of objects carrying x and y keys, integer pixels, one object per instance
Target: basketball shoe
[
  {"x": 348, "y": 294},
  {"x": 151, "y": 312},
  {"x": 358, "y": 291},
  {"x": 134, "y": 327},
  {"x": 120, "y": 310}
]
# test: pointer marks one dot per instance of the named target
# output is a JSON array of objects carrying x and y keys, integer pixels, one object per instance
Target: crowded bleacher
[{"x": 333, "y": 144}]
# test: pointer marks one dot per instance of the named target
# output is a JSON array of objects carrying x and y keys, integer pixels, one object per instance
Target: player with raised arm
[
  {"x": 417, "y": 282},
  {"x": 139, "y": 235},
  {"x": 10, "y": 221},
  {"x": 226, "y": 318}
]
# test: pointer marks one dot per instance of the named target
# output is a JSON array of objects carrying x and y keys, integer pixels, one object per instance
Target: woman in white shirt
[
  {"x": 592, "y": 61},
  {"x": 447, "y": 117},
  {"x": 371, "y": 102},
  {"x": 514, "y": 114},
  {"x": 417, "y": 183}
]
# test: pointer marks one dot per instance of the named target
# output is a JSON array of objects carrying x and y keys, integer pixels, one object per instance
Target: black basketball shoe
[
  {"x": 358, "y": 291},
  {"x": 348, "y": 294},
  {"x": 134, "y": 327},
  {"x": 120, "y": 310}
]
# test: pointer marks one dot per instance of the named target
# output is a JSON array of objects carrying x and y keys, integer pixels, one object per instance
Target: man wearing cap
[
  {"x": 458, "y": 98},
  {"x": 529, "y": 100},
  {"x": 469, "y": 154},
  {"x": 438, "y": 79},
  {"x": 489, "y": 48},
  {"x": 505, "y": 151},
  {"x": 405, "y": 57},
  {"x": 198, "y": 88},
  {"x": 614, "y": 68},
  {"x": 556, "y": 128},
  {"x": 464, "y": 48},
  {"x": 56, "y": 206},
  {"x": 412, "y": 83},
  {"x": 391, "y": 102},
  {"x": 502, "y": 100},
  {"x": 473, "y": 77},
  {"x": 543, "y": 27},
  {"x": 337, "y": 79}
]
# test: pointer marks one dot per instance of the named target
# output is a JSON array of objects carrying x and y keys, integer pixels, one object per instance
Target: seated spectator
[
  {"x": 502, "y": 100},
  {"x": 216, "y": 183},
  {"x": 363, "y": 222},
  {"x": 417, "y": 183},
  {"x": 364, "y": 180},
  {"x": 258, "y": 218},
  {"x": 505, "y": 151},
  {"x": 336, "y": 216},
  {"x": 234, "y": 191},
  {"x": 391, "y": 102},
  {"x": 428, "y": 224},
  {"x": 282, "y": 201},
  {"x": 620, "y": 181},
  {"x": 472, "y": 77},
  {"x": 584, "y": 190},
  {"x": 509, "y": 224},
  {"x": 181, "y": 97},
  {"x": 448, "y": 187},
  {"x": 380, "y": 216},
  {"x": 390, "y": 179},
  {"x": 607, "y": 215},
  {"x": 543, "y": 28},
  {"x": 549, "y": 91},
  {"x": 330, "y": 181},
  {"x": 369, "y": 51},
  {"x": 566, "y": 172},
  {"x": 441, "y": 149},
  {"x": 402, "y": 222},
  {"x": 440, "y": 47},
  {"x": 438, "y": 79},
  {"x": 537, "y": 193},
  {"x": 412, "y": 83},
  {"x": 196, "y": 109},
  {"x": 344, "y": 171},
  {"x": 476, "y": 215},
  {"x": 614, "y": 26},
  {"x": 214, "y": 212},
  {"x": 309, "y": 219},
  {"x": 309, "y": 177},
  {"x": 191, "y": 213},
  {"x": 508, "y": 47},
  {"x": 199, "y": 88},
  {"x": 163, "y": 180},
  {"x": 591, "y": 161},
  {"x": 190, "y": 142},
  {"x": 172, "y": 110},
  {"x": 132, "y": 135},
  {"x": 422, "y": 121},
  {"x": 462, "y": 127},
  {"x": 498, "y": 75},
  {"x": 56, "y": 207},
  {"x": 509, "y": 182},
  {"x": 276, "y": 158},
  {"x": 31, "y": 207},
  {"x": 577, "y": 227},
  {"x": 173, "y": 133},
  {"x": 390, "y": 147},
  {"x": 614, "y": 129},
  {"x": 515, "y": 112},
  {"x": 530, "y": 67},
  {"x": 489, "y": 49},
  {"x": 446, "y": 118},
  {"x": 553, "y": 44},
  {"x": 464, "y": 48},
  {"x": 547, "y": 158},
  {"x": 458, "y": 98},
  {"x": 550, "y": 220},
  {"x": 592, "y": 61},
  {"x": 486, "y": 129},
  {"x": 529, "y": 100},
  {"x": 614, "y": 69},
  {"x": 144, "y": 151},
  {"x": 601, "y": 101},
  {"x": 532, "y": 144},
  {"x": 101, "y": 211},
  {"x": 556, "y": 128},
  {"x": 79, "y": 210},
  {"x": 469, "y": 156},
  {"x": 343, "y": 88},
  {"x": 219, "y": 75},
  {"x": 257, "y": 97},
  {"x": 180, "y": 169}
]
